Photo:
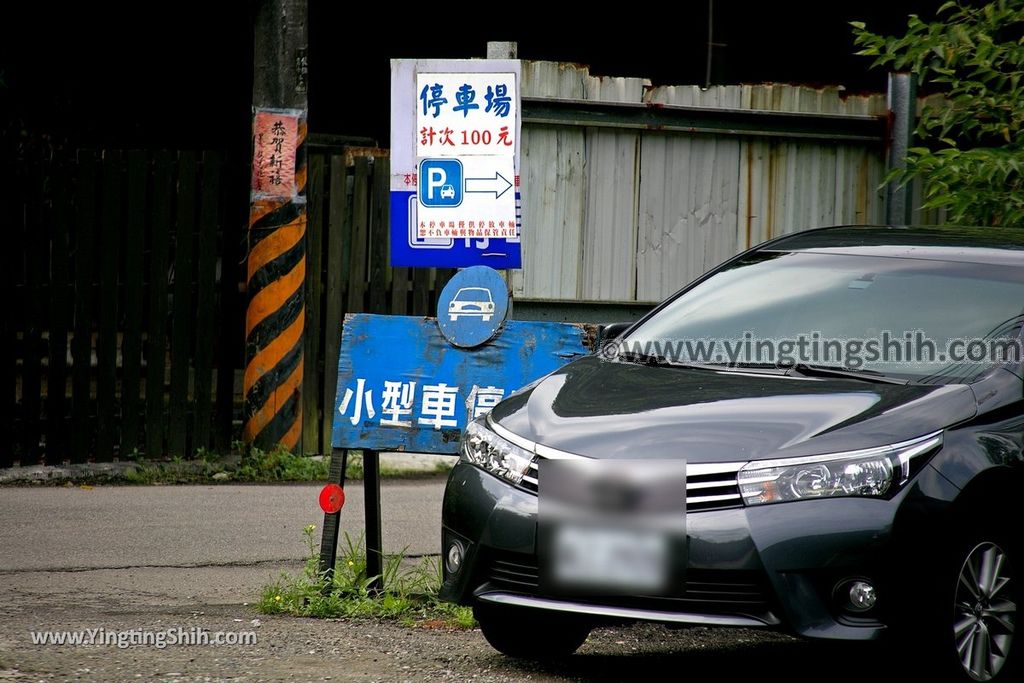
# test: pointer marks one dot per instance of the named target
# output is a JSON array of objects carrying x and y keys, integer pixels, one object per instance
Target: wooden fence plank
[
  {"x": 360, "y": 236},
  {"x": 36, "y": 272},
  {"x": 134, "y": 259},
  {"x": 10, "y": 213},
  {"x": 400, "y": 291},
  {"x": 421, "y": 302},
  {"x": 60, "y": 317},
  {"x": 206, "y": 280},
  {"x": 334, "y": 302},
  {"x": 106, "y": 339},
  {"x": 234, "y": 214},
  {"x": 11, "y": 278},
  {"x": 441, "y": 278},
  {"x": 379, "y": 214},
  {"x": 183, "y": 312},
  {"x": 81, "y": 344},
  {"x": 156, "y": 324},
  {"x": 346, "y": 181},
  {"x": 313, "y": 367}
]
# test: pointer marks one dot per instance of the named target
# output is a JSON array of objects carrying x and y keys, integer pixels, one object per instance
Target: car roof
[{"x": 997, "y": 246}]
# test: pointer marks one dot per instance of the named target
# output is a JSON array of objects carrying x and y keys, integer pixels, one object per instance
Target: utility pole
[
  {"x": 276, "y": 256},
  {"x": 902, "y": 102}
]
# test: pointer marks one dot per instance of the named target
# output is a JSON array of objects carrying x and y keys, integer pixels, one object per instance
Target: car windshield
[
  {"x": 473, "y": 294},
  {"x": 916, "y": 319}
]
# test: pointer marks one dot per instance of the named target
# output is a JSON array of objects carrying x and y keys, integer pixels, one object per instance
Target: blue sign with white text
[
  {"x": 403, "y": 387},
  {"x": 472, "y": 306},
  {"x": 418, "y": 244}
]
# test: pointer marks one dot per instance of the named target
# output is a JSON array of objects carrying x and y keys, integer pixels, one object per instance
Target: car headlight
[
  {"x": 487, "y": 450},
  {"x": 872, "y": 472}
]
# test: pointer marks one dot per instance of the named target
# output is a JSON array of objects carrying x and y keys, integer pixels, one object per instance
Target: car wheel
[
  {"x": 963, "y": 624},
  {"x": 530, "y": 634},
  {"x": 984, "y": 610},
  {"x": 957, "y": 623}
]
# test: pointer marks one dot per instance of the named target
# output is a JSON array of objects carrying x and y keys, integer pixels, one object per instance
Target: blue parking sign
[
  {"x": 472, "y": 307},
  {"x": 440, "y": 183},
  {"x": 402, "y": 386}
]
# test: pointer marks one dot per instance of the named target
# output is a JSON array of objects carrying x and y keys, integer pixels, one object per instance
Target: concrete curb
[
  {"x": 36, "y": 474},
  {"x": 115, "y": 471}
]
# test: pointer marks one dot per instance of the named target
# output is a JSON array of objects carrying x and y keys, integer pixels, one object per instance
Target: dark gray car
[{"x": 867, "y": 498}]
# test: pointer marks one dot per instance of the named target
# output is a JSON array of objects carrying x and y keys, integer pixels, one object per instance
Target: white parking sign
[{"x": 455, "y": 197}]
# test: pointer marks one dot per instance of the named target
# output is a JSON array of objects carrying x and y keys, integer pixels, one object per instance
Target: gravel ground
[
  {"x": 293, "y": 649},
  {"x": 150, "y": 558}
]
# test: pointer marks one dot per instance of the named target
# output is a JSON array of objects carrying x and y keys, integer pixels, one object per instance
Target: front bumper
[{"x": 768, "y": 566}]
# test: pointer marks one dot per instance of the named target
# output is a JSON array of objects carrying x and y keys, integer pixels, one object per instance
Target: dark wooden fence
[{"x": 122, "y": 332}]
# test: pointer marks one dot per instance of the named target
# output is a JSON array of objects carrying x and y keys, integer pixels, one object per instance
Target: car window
[
  {"x": 472, "y": 294},
  {"x": 781, "y": 296}
]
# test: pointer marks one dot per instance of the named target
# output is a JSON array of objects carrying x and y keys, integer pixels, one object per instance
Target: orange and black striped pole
[{"x": 276, "y": 260}]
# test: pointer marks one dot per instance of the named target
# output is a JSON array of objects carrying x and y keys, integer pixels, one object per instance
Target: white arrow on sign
[{"x": 498, "y": 185}]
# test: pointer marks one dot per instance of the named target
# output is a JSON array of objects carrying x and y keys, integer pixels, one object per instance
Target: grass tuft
[{"x": 409, "y": 593}]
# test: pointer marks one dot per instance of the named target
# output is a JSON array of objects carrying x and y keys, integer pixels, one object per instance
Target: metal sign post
[
  {"x": 332, "y": 516},
  {"x": 373, "y": 520}
]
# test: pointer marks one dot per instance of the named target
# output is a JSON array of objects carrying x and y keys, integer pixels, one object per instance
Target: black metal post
[{"x": 371, "y": 502}]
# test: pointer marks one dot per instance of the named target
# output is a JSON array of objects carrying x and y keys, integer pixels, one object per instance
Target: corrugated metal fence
[{"x": 631, "y": 212}]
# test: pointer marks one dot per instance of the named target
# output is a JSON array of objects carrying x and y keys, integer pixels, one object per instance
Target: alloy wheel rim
[{"x": 985, "y": 612}]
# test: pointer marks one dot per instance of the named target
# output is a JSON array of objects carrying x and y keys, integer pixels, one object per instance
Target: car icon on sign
[
  {"x": 447, "y": 192},
  {"x": 471, "y": 301}
]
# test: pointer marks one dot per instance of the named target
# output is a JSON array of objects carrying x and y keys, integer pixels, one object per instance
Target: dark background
[{"x": 179, "y": 74}]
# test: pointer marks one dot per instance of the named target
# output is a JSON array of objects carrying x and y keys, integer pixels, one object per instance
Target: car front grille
[
  {"x": 708, "y": 486},
  {"x": 705, "y": 591},
  {"x": 517, "y": 572}
]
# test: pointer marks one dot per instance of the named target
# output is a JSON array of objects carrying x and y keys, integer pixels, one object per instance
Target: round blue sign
[{"x": 472, "y": 306}]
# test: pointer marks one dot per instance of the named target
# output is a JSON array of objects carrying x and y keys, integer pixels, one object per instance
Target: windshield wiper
[
  {"x": 811, "y": 370},
  {"x": 752, "y": 365},
  {"x": 657, "y": 360}
]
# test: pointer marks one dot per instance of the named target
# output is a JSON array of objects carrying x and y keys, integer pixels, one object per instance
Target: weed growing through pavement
[{"x": 408, "y": 595}]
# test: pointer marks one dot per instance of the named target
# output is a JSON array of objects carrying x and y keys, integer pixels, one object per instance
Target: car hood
[{"x": 611, "y": 409}]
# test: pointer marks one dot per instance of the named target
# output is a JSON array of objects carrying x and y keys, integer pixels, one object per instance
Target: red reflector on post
[{"x": 332, "y": 498}]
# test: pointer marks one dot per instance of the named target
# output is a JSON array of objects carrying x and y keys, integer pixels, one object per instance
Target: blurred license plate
[{"x": 611, "y": 559}]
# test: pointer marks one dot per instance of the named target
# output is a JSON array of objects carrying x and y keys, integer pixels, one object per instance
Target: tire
[
  {"x": 963, "y": 616},
  {"x": 530, "y": 634}
]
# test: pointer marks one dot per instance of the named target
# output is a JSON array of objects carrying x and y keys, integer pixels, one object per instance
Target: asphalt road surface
[
  {"x": 195, "y": 557},
  {"x": 133, "y": 526}
]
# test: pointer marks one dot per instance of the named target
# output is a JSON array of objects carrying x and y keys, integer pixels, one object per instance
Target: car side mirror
[{"x": 613, "y": 331}]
